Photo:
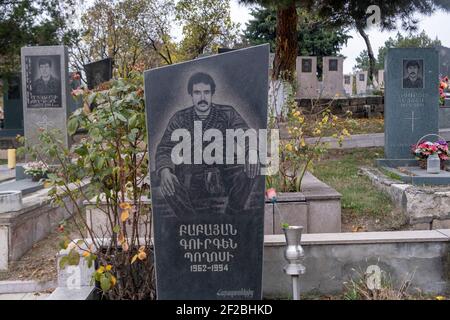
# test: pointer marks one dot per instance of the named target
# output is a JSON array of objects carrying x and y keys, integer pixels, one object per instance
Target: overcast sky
[{"x": 435, "y": 25}]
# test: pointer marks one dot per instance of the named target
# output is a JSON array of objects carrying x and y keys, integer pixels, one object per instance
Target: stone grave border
[
  {"x": 21, "y": 229},
  {"x": 426, "y": 207},
  {"x": 330, "y": 258}
]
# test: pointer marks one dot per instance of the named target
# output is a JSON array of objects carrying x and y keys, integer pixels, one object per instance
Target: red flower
[{"x": 271, "y": 194}]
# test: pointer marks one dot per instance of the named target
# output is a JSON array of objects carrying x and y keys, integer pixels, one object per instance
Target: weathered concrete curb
[
  {"x": 10, "y": 201},
  {"x": 19, "y": 230},
  {"x": 330, "y": 260},
  {"x": 422, "y": 257},
  {"x": 362, "y": 140},
  {"x": 18, "y": 286},
  {"x": 426, "y": 207},
  {"x": 81, "y": 293}
]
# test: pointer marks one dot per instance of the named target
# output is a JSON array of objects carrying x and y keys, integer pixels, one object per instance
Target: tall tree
[
  {"x": 132, "y": 32},
  {"x": 315, "y": 37},
  {"x": 206, "y": 25},
  {"x": 352, "y": 13},
  {"x": 421, "y": 40},
  {"x": 26, "y": 23},
  {"x": 286, "y": 35},
  {"x": 362, "y": 14}
]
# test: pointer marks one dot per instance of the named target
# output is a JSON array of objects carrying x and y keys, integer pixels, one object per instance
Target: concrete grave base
[
  {"x": 317, "y": 209},
  {"x": 427, "y": 207},
  {"x": 98, "y": 221},
  {"x": 21, "y": 229},
  {"x": 331, "y": 259}
]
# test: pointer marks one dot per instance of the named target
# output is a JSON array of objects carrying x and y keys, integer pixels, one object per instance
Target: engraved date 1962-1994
[{"x": 209, "y": 268}]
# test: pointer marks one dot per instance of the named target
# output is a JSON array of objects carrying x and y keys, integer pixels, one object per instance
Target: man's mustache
[{"x": 202, "y": 101}]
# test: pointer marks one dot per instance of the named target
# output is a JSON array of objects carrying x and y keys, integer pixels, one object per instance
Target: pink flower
[{"x": 271, "y": 194}]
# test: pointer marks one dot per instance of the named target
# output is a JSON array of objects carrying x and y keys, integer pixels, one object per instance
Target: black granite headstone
[
  {"x": 12, "y": 101},
  {"x": 208, "y": 215},
  {"x": 98, "y": 72}
]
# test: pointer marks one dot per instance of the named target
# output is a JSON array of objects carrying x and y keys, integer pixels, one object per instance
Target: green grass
[
  {"x": 390, "y": 174},
  {"x": 359, "y": 197}
]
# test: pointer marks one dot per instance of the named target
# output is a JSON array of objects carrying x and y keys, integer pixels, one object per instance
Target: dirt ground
[
  {"x": 392, "y": 221},
  {"x": 39, "y": 263}
]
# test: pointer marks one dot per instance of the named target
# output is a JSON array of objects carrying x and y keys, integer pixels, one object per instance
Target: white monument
[
  {"x": 307, "y": 77},
  {"x": 333, "y": 77}
]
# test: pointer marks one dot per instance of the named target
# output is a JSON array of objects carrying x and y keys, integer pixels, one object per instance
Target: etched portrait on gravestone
[
  {"x": 206, "y": 119},
  {"x": 190, "y": 188},
  {"x": 98, "y": 72},
  {"x": 43, "y": 79},
  {"x": 333, "y": 65},
  {"x": 362, "y": 77},
  {"x": 307, "y": 65},
  {"x": 412, "y": 74}
]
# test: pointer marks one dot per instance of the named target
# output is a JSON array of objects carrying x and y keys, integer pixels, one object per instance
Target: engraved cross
[
  {"x": 412, "y": 120},
  {"x": 45, "y": 123}
]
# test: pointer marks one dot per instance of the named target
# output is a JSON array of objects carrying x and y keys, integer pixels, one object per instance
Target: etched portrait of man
[
  {"x": 412, "y": 74},
  {"x": 191, "y": 188},
  {"x": 307, "y": 65},
  {"x": 46, "y": 83}
]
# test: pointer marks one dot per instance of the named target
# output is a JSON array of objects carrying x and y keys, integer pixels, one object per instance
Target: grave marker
[
  {"x": 208, "y": 216},
  {"x": 98, "y": 72},
  {"x": 45, "y": 90},
  {"x": 333, "y": 76},
  {"x": 361, "y": 82},
  {"x": 411, "y": 99}
]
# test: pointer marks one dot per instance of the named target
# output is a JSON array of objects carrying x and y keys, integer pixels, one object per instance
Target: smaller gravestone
[
  {"x": 411, "y": 99},
  {"x": 46, "y": 91},
  {"x": 333, "y": 76},
  {"x": 348, "y": 85},
  {"x": 361, "y": 82},
  {"x": 98, "y": 72},
  {"x": 307, "y": 77}
]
